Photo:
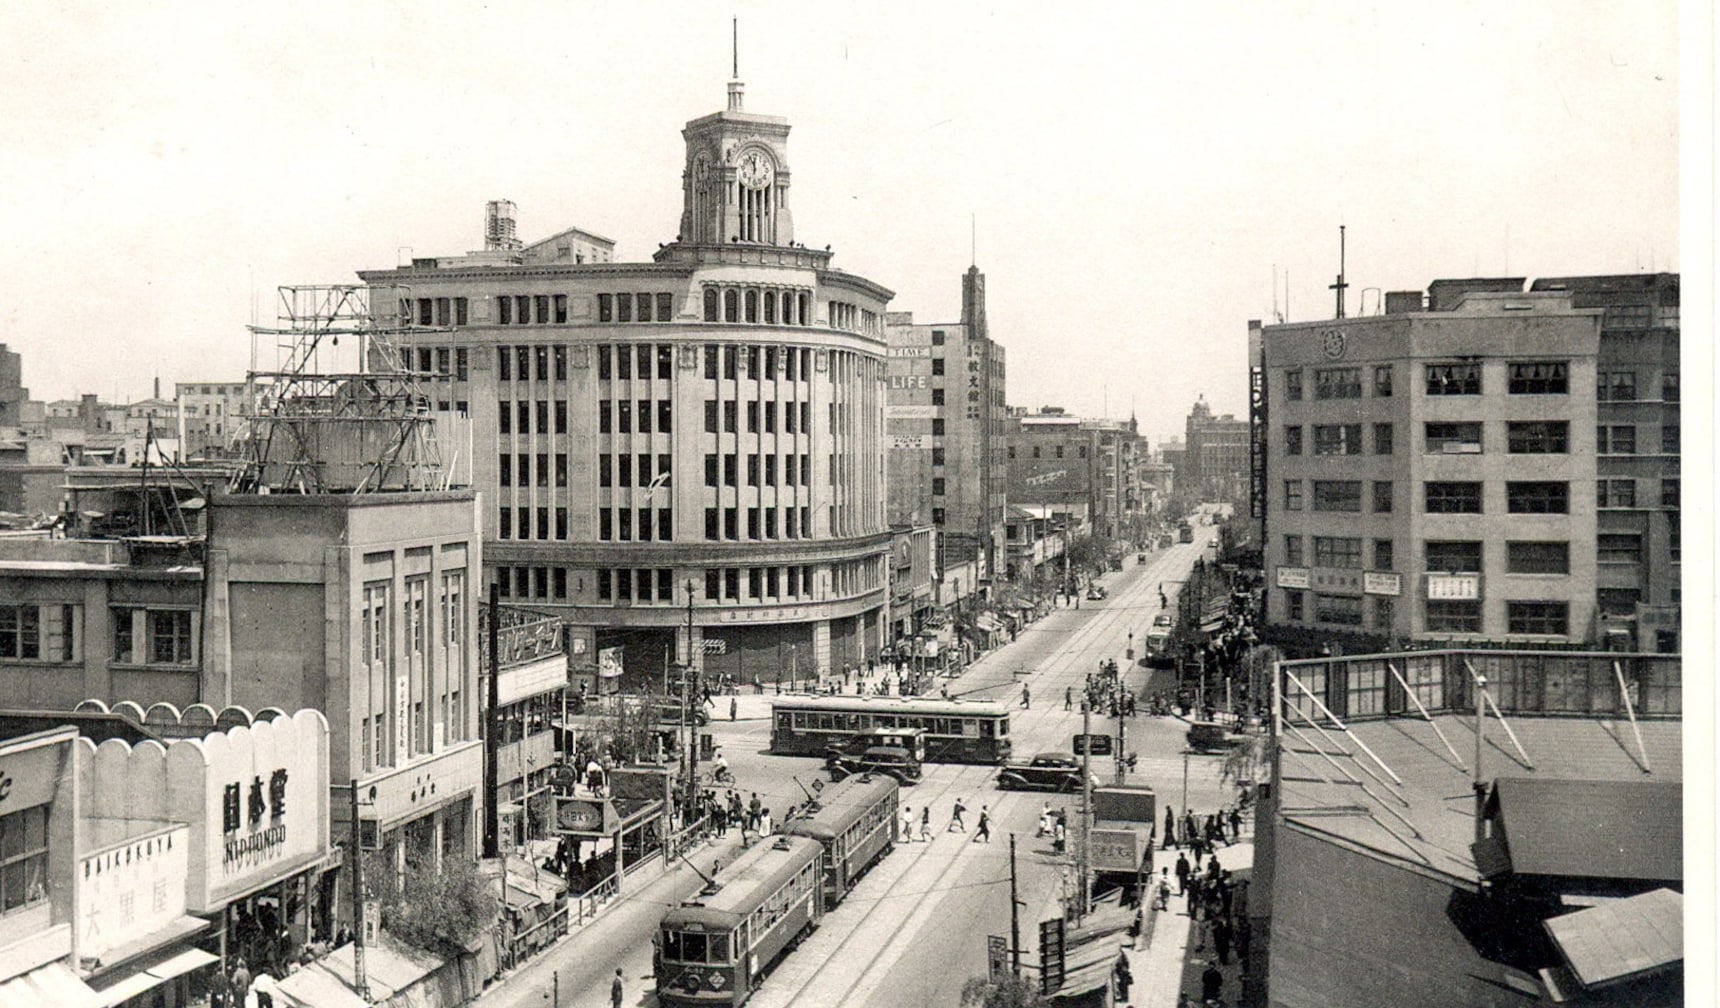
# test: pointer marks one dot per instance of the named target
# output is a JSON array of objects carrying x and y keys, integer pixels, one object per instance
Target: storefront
[{"x": 242, "y": 818}]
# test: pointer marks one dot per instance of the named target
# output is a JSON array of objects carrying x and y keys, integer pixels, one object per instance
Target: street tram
[
  {"x": 957, "y": 731},
  {"x": 716, "y": 947},
  {"x": 855, "y": 822}
]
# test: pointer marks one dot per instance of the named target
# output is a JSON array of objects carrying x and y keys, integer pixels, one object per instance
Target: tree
[
  {"x": 1004, "y": 992},
  {"x": 438, "y": 908}
]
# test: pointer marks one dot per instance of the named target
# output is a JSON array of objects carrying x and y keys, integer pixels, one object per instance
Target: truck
[{"x": 1185, "y": 533}]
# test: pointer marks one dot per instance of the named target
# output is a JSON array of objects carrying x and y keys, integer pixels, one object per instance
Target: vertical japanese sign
[{"x": 1051, "y": 960}]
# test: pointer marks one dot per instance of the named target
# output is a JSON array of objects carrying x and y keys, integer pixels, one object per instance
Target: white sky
[{"x": 1136, "y": 170}]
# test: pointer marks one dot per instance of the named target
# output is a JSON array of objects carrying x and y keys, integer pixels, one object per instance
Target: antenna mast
[{"x": 1340, "y": 285}]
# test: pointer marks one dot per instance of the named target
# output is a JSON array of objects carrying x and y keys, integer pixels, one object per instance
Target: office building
[
  {"x": 945, "y": 420},
  {"x": 711, "y": 420},
  {"x": 1215, "y": 463}
]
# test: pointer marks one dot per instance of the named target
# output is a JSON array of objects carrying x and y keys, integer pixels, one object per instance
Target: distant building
[
  {"x": 1215, "y": 460},
  {"x": 209, "y": 415},
  {"x": 945, "y": 418},
  {"x": 1088, "y": 469},
  {"x": 1552, "y": 873}
]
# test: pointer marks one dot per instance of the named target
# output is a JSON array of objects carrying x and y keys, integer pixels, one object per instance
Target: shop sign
[
  {"x": 402, "y": 720},
  {"x": 909, "y": 442},
  {"x": 1292, "y": 577},
  {"x": 260, "y": 831},
  {"x": 906, "y": 412},
  {"x": 584, "y": 815},
  {"x": 130, "y": 891},
  {"x": 910, "y": 351},
  {"x": 1454, "y": 587},
  {"x": 1382, "y": 583}
]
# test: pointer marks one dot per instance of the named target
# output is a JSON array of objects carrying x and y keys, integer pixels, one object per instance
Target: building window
[
  {"x": 1337, "y": 439},
  {"x": 1293, "y": 551},
  {"x": 1617, "y": 601},
  {"x": 1453, "y": 438},
  {"x": 1538, "y": 498},
  {"x": 1548, "y": 618},
  {"x": 1669, "y": 386},
  {"x": 1615, "y": 439},
  {"x": 1618, "y": 493},
  {"x": 1293, "y": 605},
  {"x": 1453, "y": 498},
  {"x": 24, "y": 859},
  {"x": 21, "y": 631},
  {"x": 1669, "y": 493},
  {"x": 937, "y": 486},
  {"x": 1337, "y": 551},
  {"x": 1615, "y": 386},
  {"x": 1383, "y": 381},
  {"x": 1382, "y": 497},
  {"x": 1537, "y": 437},
  {"x": 1450, "y": 556},
  {"x": 1454, "y": 379},
  {"x": 1383, "y": 559},
  {"x": 1338, "y": 383},
  {"x": 1618, "y": 548},
  {"x": 1445, "y": 616},
  {"x": 1384, "y": 613},
  {"x": 1344, "y": 610},
  {"x": 1382, "y": 439},
  {"x": 1338, "y": 495},
  {"x": 1292, "y": 495},
  {"x": 1669, "y": 439},
  {"x": 1538, "y": 378},
  {"x": 1529, "y": 557},
  {"x": 1293, "y": 384}
]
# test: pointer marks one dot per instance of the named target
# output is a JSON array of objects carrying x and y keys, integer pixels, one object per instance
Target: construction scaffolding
[{"x": 336, "y": 407}]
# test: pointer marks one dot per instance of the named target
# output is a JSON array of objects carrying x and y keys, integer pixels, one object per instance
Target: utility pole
[
  {"x": 492, "y": 728},
  {"x": 1122, "y": 738},
  {"x": 690, "y": 690},
  {"x": 360, "y": 986},
  {"x": 1014, "y": 916},
  {"x": 1086, "y": 808}
]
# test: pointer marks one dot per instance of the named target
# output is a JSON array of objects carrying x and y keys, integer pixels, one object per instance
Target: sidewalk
[{"x": 1168, "y": 965}]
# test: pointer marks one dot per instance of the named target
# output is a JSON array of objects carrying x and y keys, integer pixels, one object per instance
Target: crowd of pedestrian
[{"x": 1214, "y": 901}]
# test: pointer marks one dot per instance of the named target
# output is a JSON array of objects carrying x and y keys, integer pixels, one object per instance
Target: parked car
[
  {"x": 1210, "y": 736},
  {"x": 1096, "y": 592},
  {"x": 1053, "y": 771},
  {"x": 891, "y": 761},
  {"x": 1140, "y": 558},
  {"x": 1164, "y": 620}
]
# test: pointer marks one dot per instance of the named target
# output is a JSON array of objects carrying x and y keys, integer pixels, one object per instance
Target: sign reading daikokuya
[{"x": 254, "y": 796}]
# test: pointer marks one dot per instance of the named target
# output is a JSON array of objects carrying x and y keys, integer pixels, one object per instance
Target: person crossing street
[{"x": 984, "y": 830}]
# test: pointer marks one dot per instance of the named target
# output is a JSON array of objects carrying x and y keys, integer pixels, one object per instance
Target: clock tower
[{"x": 735, "y": 181}]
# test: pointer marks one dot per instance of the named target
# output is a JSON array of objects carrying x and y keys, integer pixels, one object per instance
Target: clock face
[
  {"x": 754, "y": 170},
  {"x": 1333, "y": 343}
]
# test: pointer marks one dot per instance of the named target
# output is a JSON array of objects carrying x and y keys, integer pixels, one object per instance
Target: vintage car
[
  {"x": 1211, "y": 736},
  {"x": 891, "y": 761},
  {"x": 1052, "y": 771},
  {"x": 1095, "y": 592},
  {"x": 1164, "y": 620}
]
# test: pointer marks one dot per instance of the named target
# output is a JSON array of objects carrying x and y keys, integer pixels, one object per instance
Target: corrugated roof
[
  {"x": 1622, "y": 939},
  {"x": 1631, "y": 829},
  {"x": 1436, "y": 799}
]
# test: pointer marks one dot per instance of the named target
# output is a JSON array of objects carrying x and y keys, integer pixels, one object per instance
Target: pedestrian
[
  {"x": 238, "y": 983},
  {"x": 734, "y": 707},
  {"x": 984, "y": 831},
  {"x": 1211, "y": 982},
  {"x": 615, "y": 990},
  {"x": 1068, "y": 698},
  {"x": 1059, "y": 837},
  {"x": 1164, "y": 890},
  {"x": 1123, "y": 976},
  {"x": 1236, "y": 823},
  {"x": 956, "y": 819},
  {"x": 754, "y": 808},
  {"x": 1026, "y": 697},
  {"x": 925, "y": 824},
  {"x": 264, "y": 986},
  {"x": 1045, "y": 821},
  {"x": 1183, "y": 870},
  {"x": 764, "y": 824},
  {"x": 1170, "y": 829},
  {"x": 907, "y": 824},
  {"x": 1221, "y": 940}
]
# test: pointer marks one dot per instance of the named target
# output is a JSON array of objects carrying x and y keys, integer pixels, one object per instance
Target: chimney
[{"x": 157, "y": 387}]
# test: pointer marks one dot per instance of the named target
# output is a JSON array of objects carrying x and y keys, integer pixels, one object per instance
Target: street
[{"x": 914, "y": 930}]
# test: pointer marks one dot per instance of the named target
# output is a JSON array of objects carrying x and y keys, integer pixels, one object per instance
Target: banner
[{"x": 609, "y": 662}]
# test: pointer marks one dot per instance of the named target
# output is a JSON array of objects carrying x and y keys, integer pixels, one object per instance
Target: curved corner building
[{"x": 707, "y": 425}]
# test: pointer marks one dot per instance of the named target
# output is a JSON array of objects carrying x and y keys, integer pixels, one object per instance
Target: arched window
[
  {"x": 731, "y": 306},
  {"x": 710, "y": 304},
  {"x": 770, "y": 307},
  {"x": 752, "y": 306}
]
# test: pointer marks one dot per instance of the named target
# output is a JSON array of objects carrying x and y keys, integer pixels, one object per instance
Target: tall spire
[{"x": 735, "y": 80}]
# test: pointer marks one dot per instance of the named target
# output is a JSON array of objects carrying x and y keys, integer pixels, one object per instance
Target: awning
[
  {"x": 155, "y": 972},
  {"x": 52, "y": 984},
  {"x": 1623, "y": 939},
  {"x": 312, "y": 988},
  {"x": 987, "y": 621},
  {"x": 1212, "y": 625}
]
